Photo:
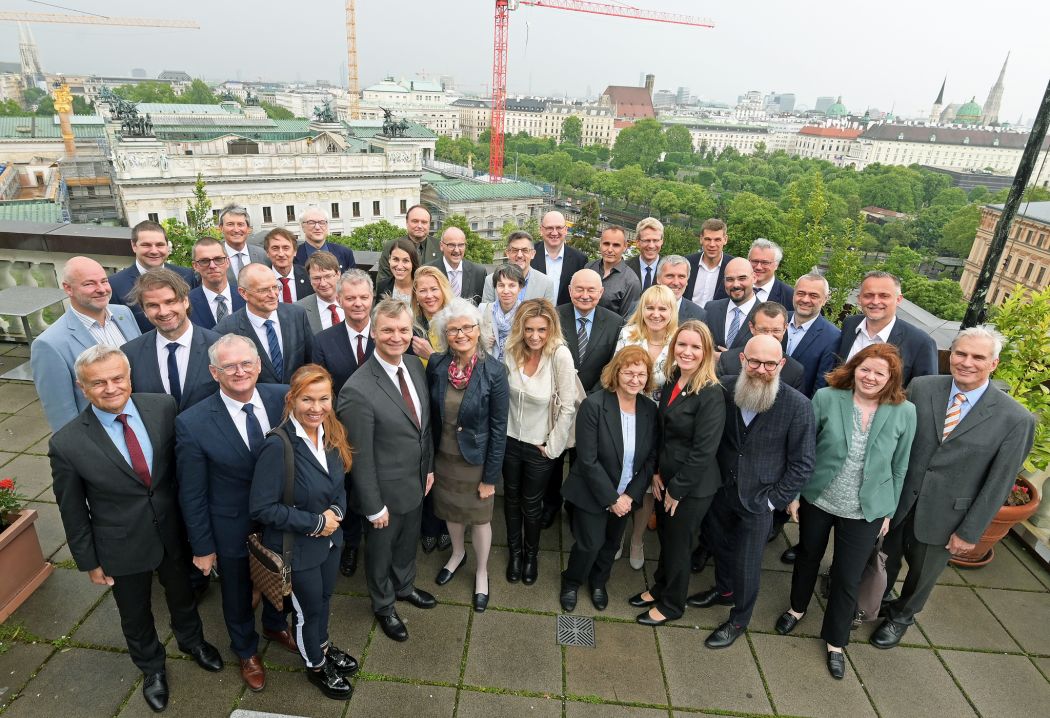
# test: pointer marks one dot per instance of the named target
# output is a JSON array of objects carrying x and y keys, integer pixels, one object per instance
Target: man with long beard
[{"x": 766, "y": 456}]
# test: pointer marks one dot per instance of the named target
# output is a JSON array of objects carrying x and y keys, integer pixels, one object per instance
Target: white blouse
[
  {"x": 659, "y": 366},
  {"x": 530, "y": 401}
]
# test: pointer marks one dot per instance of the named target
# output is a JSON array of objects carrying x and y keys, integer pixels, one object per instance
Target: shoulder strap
[{"x": 289, "y": 487}]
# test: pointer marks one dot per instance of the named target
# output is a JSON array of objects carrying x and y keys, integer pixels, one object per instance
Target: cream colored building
[
  {"x": 538, "y": 118},
  {"x": 486, "y": 205},
  {"x": 831, "y": 144},
  {"x": 744, "y": 139},
  {"x": 1026, "y": 258}
]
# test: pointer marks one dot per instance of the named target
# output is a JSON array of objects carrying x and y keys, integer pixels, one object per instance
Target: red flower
[{"x": 8, "y": 484}]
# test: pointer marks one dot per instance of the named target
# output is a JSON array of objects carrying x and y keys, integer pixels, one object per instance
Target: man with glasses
[
  {"x": 649, "y": 238},
  {"x": 281, "y": 332},
  {"x": 770, "y": 319},
  {"x": 417, "y": 225},
  {"x": 322, "y": 306},
  {"x": 765, "y": 257},
  {"x": 466, "y": 278},
  {"x": 621, "y": 287},
  {"x": 554, "y": 257},
  {"x": 236, "y": 228},
  {"x": 217, "y": 297},
  {"x": 537, "y": 284},
  {"x": 149, "y": 242},
  {"x": 314, "y": 222}
]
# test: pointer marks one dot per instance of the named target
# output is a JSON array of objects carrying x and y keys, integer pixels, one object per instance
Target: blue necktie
[
  {"x": 734, "y": 327},
  {"x": 648, "y": 281},
  {"x": 173, "y": 373},
  {"x": 255, "y": 432},
  {"x": 276, "y": 358}
]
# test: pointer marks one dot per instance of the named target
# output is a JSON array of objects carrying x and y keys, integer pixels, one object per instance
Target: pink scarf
[{"x": 459, "y": 378}]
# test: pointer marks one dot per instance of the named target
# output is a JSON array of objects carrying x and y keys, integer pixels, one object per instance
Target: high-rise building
[
  {"x": 823, "y": 103},
  {"x": 682, "y": 96},
  {"x": 990, "y": 114}
]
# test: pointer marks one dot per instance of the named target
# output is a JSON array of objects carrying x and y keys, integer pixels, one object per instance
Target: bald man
[
  {"x": 554, "y": 257},
  {"x": 466, "y": 278},
  {"x": 89, "y": 320},
  {"x": 727, "y": 318}
]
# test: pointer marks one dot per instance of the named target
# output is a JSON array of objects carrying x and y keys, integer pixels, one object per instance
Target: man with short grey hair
[
  {"x": 812, "y": 339},
  {"x": 236, "y": 227},
  {"x": 314, "y": 222},
  {"x": 765, "y": 258},
  {"x": 673, "y": 273}
]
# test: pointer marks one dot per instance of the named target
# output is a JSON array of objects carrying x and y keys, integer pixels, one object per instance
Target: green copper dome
[
  {"x": 837, "y": 110},
  {"x": 969, "y": 114}
]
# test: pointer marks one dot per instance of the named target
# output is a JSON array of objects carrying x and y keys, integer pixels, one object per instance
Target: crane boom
[
  {"x": 634, "y": 13},
  {"x": 54, "y": 17}
]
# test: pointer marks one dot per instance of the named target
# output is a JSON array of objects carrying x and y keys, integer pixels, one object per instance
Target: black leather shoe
[
  {"x": 345, "y": 664},
  {"x": 600, "y": 598},
  {"x": 568, "y": 599},
  {"x": 836, "y": 665},
  {"x": 699, "y": 559},
  {"x": 429, "y": 543},
  {"x": 393, "y": 627},
  {"x": 530, "y": 570},
  {"x": 724, "y": 636},
  {"x": 548, "y": 516},
  {"x": 444, "y": 575},
  {"x": 789, "y": 555},
  {"x": 786, "y": 623},
  {"x": 207, "y": 657},
  {"x": 444, "y": 542},
  {"x": 348, "y": 561},
  {"x": 888, "y": 635},
  {"x": 638, "y": 602},
  {"x": 481, "y": 602},
  {"x": 646, "y": 620},
  {"x": 332, "y": 684},
  {"x": 419, "y": 598},
  {"x": 514, "y": 567},
  {"x": 708, "y": 598},
  {"x": 155, "y": 691}
]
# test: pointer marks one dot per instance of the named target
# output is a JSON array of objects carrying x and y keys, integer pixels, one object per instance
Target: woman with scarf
[{"x": 497, "y": 316}]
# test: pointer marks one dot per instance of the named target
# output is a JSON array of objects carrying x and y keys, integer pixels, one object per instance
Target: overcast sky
[{"x": 892, "y": 53}]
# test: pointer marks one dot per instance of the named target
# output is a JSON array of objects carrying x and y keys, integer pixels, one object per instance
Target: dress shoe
[
  {"x": 637, "y": 559},
  {"x": 600, "y": 598},
  {"x": 699, "y": 559},
  {"x": 328, "y": 680},
  {"x": 155, "y": 691},
  {"x": 789, "y": 555},
  {"x": 786, "y": 623},
  {"x": 429, "y": 543},
  {"x": 348, "y": 561},
  {"x": 568, "y": 599},
  {"x": 530, "y": 570},
  {"x": 282, "y": 638},
  {"x": 345, "y": 664},
  {"x": 253, "y": 674},
  {"x": 444, "y": 542},
  {"x": 888, "y": 634},
  {"x": 207, "y": 657},
  {"x": 481, "y": 602},
  {"x": 836, "y": 665},
  {"x": 708, "y": 598},
  {"x": 514, "y": 567},
  {"x": 548, "y": 516},
  {"x": 444, "y": 575},
  {"x": 646, "y": 620},
  {"x": 419, "y": 598},
  {"x": 638, "y": 602},
  {"x": 393, "y": 627},
  {"x": 724, "y": 636}
]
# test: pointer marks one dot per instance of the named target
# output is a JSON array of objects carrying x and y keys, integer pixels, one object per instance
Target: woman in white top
[
  {"x": 542, "y": 403},
  {"x": 651, "y": 327},
  {"x": 497, "y": 317}
]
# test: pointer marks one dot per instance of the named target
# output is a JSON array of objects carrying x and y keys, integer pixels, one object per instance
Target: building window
[
  {"x": 1028, "y": 272},
  {"x": 404, "y": 206},
  {"x": 289, "y": 212},
  {"x": 355, "y": 209},
  {"x": 243, "y": 147},
  {"x": 335, "y": 210},
  {"x": 267, "y": 216},
  {"x": 376, "y": 208},
  {"x": 152, "y": 217},
  {"x": 1039, "y": 277},
  {"x": 215, "y": 215},
  {"x": 1017, "y": 267}
]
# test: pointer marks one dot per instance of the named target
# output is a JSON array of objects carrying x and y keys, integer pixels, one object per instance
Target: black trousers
[
  {"x": 597, "y": 539},
  {"x": 390, "y": 559},
  {"x": 311, "y": 600},
  {"x": 854, "y": 541},
  {"x": 738, "y": 539},
  {"x": 132, "y": 596},
  {"x": 677, "y": 535},
  {"x": 526, "y": 473},
  {"x": 353, "y": 525},
  {"x": 552, "y": 500},
  {"x": 926, "y": 562},
  {"x": 235, "y": 578}
]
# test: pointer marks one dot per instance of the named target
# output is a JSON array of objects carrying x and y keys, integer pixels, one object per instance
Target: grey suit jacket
[
  {"x": 392, "y": 457},
  {"x": 473, "y": 279},
  {"x": 51, "y": 357},
  {"x": 313, "y": 314},
  {"x": 958, "y": 486},
  {"x": 688, "y": 309},
  {"x": 297, "y": 340},
  {"x": 255, "y": 253},
  {"x": 539, "y": 286}
]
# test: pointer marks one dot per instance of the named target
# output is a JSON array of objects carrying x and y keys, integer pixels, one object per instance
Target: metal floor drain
[{"x": 576, "y": 631}]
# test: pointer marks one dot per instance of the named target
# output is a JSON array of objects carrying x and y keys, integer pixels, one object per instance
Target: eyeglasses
[
  {"x": 205, "y": 263},
  {"x": 324, "y": 277},
  {"x": 273, "y": 289},
  {"x": 769, "y": 366},
  {"x": 316, "y": 223},
  {"x": 244, "y": 366},
  {"x": 589, "y": 291},
  {"x": 454, "y": 247},
  {"x": 518, "y": 250},
  {"x": 762, "y": 262},
  {"x": 633, "y": 376},
  {"x": 456, "y": 331}
]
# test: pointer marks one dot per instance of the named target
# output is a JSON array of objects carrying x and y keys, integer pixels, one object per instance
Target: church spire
[
  {"x": 940, "y": 95},
  {"x": 938, "y": 104},
  {"x": 990, "y": 114}
]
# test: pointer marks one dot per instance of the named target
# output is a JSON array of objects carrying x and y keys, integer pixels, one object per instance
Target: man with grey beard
[{"x": 766, "y": 456}]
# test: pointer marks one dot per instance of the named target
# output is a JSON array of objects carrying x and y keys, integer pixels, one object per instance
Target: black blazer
[
  {"x": 573, "y": 260},
  {"x": 635, "y": 265},
  {"x": 720, "y": 286},
  {"x": 482, "y": 421},
  {"x": 316, "y": 489},
  {"x": 111, "y": 519},
  {"x": 601, "y": 344},
  {"x": 782, "y": 294},
  {"x": 146, "y": 372},
  {"x": 690, "y": 310},
  {"x": 690, "y": 429},
  {"x": 301, "y": 279},
  {"x": 917, "y": 348},
  {"x": 121, "y": 283},
  {"x": 297, "y": 340},
  {"x": 716, "y": 322},
  {"x": 201, "y": 314},
  {"x": 729, "y": 367},
  {"x": 595, "y": 473},
  {"x": 473, "y": 278},
  {"x": 333, "y": 351}
]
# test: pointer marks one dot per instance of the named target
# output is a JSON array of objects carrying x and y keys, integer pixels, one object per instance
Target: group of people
[{"x": 278, "y": 391}]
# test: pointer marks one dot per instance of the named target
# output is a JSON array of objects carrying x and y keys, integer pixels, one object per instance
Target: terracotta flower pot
[
  {"x": 22, "y": 564},
  {"x": 983, "y": 553}
]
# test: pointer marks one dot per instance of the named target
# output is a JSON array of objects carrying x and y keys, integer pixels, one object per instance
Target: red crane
[{"x": 499, "y": 55}]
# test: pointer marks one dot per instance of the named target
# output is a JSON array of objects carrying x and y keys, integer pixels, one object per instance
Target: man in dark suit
[
  {"x": 649, "y": 239},
  {"x": 417, "y": 225},
  {"x": 812, "y": 339},
  {"x": 766, "y": 455},
  {"x": 770, "y": 319},
  {"x": 556, "y": 259},
  {"x": 385, "y": 407},
  {"x": 880, "y": 294},
  {"x": 171, "y": 358},
  {"x": 971, "y": 440},
  {"x": 279, "y": 245},
  {"x": 727, "y": 318},
  {"x": 217, "y": 443},
  {"x": 149, "y": 242},
  {"x": 322, "y": 307},
  {"x": 342, "y": 349},
  {"x": 280, "y": 331},
  {"x": 216, "y": 298},
  {"x": 236, "y": 227},
  {"x": 708, "y": 266},
  {"x": 466, "y": 278},
  {"x": 673, "y": 273},
  {"x": 765, "y": 258},
  {"x": 314, "y": 222},
  {"x": 114, "y": 479}
]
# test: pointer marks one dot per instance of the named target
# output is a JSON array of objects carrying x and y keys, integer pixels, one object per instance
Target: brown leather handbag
[
  {"x": 272, "y": 572},
  {"x": 872, "y": 585}
]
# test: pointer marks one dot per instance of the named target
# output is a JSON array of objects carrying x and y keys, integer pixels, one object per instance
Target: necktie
[
  {"x": 455, "y": 277},
  {"x": 581, "y": 337},
  {"x": 407, "y": 396},
  {"x": 174, "y": 386},
  {"x": 760, "y": 293},
  {"x": 255, "y": 432},
  {"x": 240, "y": 262},
  {"x": 360, "y": 349},
  {"x": 276, "y": 358},
  {"x": 335, "y": 314},
  {"x": 734, "y": 327},
  {"x": 220, "y": 308},
  {"x": 286, "y": 291},
  {"x": 138, "y": 459},
  {"x": 648, "y": 281},
  {"x": 954, "y": 415}
]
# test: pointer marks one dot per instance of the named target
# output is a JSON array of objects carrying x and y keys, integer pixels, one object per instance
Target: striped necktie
[
  {"x": 954, "y": 415},
  {"x": 734, "y": 327}
]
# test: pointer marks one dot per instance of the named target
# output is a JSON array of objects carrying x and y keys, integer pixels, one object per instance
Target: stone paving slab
[
  {"x": 541, "y": 596},
  {"x": 600, "y": 671},
  {"x": 433, "y": 651},
  {"x": 590, "y": 710},
  {"x": 194, "y": 693},
  {"x": 908, "y": 682},
  {"x": 384, "y": 698},
  {"x": 32, "y": 474},
  {"x": 504, "y": 645},
  {"x": 290, "y": 693},
  {"x": 1005, "y": 571},
  {"x": 58, "y": 605},
  {"x": 349, "y": 627},
  {"x": 1030, "y": 562},
  {"x": 18, "y": 433},
  {"x": 955, "y": 617},
  {"x": 697, "y": 676},
  {"x": 1000, "y": 686},
  {"x": 77, "y": 683},
  {"x": 493, "y": 705},
  {"x": 18, "y": 663},
  {"x": 102, "y": 626},
  {"x": 49, "y": 529},
  {"x": 1025, "y": 615}
]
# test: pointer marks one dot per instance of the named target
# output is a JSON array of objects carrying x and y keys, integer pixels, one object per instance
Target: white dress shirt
[
  {"x": 864, "y": 339},
  {"x": 292, "y": 289},
  {"x": 213, "y": 305},
  {"x": 260, "y": 330},
  {"x": 364, "y": 334},
  {"x": 325, "y": 313},
  {"x": 706, "y": 281},
  {"x": 552, "y": 265},
  {"x": 109, "y": 333},
  {"x": 240, "y": 419},
  {"x": 233, "y": 254},
  {"x": 182, "y": 357},
  {"x": 745, "y": 310},
  {"x": 450, "y": 270},
  {"x": 762, "y": 291}
]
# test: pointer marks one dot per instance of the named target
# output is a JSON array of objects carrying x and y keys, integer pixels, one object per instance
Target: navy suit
[
  {"x": 720, "y": 285},
  {"x": 917, "y": 348},
  {"x": 816, "y": 352},
  {"x": 197, "y": 385},
  {"x": 572, "y": 261},
  {"x": 343, "y": 255},
  {"x": 716, "y": 322},
  {"x": 782, "y": 294},
  {"x": 297, "y": 340},
  {"x": 121, "y": 283},
  {"x": 202, "y": 315},
  {"x": 301, "y": 279}
]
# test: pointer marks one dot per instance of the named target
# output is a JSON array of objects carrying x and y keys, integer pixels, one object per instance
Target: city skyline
[{"x": 896, "y": 58}]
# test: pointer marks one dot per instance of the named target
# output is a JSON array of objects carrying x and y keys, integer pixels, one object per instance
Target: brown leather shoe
[
  {"x": 284, "y": 638},
  {"x": 253, "y": 673}
]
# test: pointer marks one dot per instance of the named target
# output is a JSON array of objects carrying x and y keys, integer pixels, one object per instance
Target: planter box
[{"x": 22, "y": 564}]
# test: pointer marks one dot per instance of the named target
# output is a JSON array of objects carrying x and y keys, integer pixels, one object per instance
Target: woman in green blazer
[{"x": 865, "y": 427}]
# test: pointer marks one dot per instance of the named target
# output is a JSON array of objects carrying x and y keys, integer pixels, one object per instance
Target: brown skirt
[{"x": 455, "y": 481}]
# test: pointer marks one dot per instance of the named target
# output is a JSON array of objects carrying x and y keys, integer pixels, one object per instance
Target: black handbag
[{"x": 272, "y": 572}]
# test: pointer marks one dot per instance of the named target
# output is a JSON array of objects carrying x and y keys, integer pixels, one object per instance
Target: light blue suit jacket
[{"x": 52, "y": 356}]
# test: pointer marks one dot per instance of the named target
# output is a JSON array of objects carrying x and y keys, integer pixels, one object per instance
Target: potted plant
[
  {"x": 22, "y": 563},
  {"x": 1021, "y": 503}
]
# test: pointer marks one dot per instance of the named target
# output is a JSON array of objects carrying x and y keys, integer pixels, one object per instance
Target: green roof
[
  {"x": 174, "y": 108},
  {"x": 44, "y": 128},
  {"x": 366, "y": 129},
  {"x": 465, "y": 190},
  {"x": 969, "y": 114},
  {"x": 30, "y": 211},
  {"x": 837, "y": 109}
]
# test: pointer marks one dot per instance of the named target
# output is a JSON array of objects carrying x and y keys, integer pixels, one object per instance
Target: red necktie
[
  {"x": 138, "y": 459},
  {"x": 335, "y": 314},
  {"x": 361, "y": 351},
  {"x": 407, "y": 396},
  {"x": 286, "y": 291}
]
